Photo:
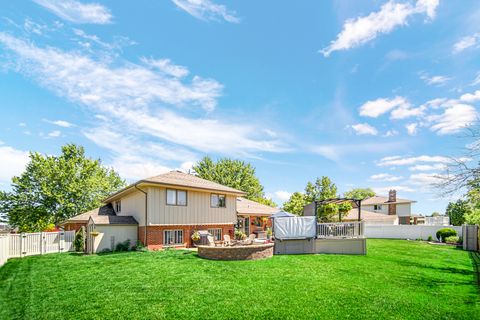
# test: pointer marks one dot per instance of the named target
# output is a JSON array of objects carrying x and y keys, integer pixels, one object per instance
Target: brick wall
[{"x": 155, "y": 233}]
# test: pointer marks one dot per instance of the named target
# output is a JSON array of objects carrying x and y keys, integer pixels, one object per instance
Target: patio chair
[
  {"x": 211, "y": 241},
  {"x": 249, "y": 240},
  {"x": 227, "y": 241}
]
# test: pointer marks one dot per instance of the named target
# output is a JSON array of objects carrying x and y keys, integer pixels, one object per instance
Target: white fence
[
  {"x": 28, "y": 244},
  {"x": 340, "y": 230},
  {"x": 405, "y": 231}
]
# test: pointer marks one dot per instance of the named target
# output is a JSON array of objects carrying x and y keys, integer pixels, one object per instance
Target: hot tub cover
[
  {"x": 280, "y": 214},
  {"x": 295, "y": 227}
]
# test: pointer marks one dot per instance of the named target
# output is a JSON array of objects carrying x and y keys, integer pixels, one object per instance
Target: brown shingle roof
[
  {"x": 181, "y": 179},
  {"x": 245, "y": 206},
  {"x": 369, "y": 216},
  {"x": 114, "y": 220},
  {"x": 106, "y": 210},
  {"x": 383, "y": 200}
]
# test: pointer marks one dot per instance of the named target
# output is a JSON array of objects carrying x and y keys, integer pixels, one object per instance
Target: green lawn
[{"x": 396, "y": 280}]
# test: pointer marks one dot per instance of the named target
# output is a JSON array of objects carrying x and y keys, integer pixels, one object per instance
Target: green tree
[
  {"x": 359, "y": 193},
  {"x": 457, "y": 212},
  {"x": 473, "y": 217},
  {"x": 435, "y": 214},
  {"x": 235, "y": 174},
  {"x": 55, "y": 188},
  {"x": 323, "y": 188},
  {"x": 295, "y": 204}
]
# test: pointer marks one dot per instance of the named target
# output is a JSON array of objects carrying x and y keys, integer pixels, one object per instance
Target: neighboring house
[
  {"x": 385, "y": 210},
  {"x": 166, "y": 210},
  {"x": 253, "y": 217}
]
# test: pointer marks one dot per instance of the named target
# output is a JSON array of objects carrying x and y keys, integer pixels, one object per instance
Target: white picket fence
[{"x": 28, "y": 244}]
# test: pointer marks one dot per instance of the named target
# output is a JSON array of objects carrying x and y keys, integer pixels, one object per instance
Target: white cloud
[
  {"x": 465, "y": 43},
  {"x": 476, "y": 81},
  {"x": 77, "y": 12},
  {"x": 399, "y": 188},
  {"x": 385, "y": 177},
  {"x": 427, "y": 167},
  {"x": 364, "y": 129},
  {"x": 13, "y": 163},
  {"x": 166, "y": 66},
  {"x": 391, "y": 133},
  {"x": 54, "y": 134},
  {"x": 207, "y": 10},
  {"x": 375, "y": 108},
  {"x": 361, "y": 30},
  {"x": 403, "y": 161},
  {"x": 138, "y": 99},
  {"x": 22, "y": 124},
  {"x": 424, "y": 178},
  {"x": 337, "y": 152},
  {"x": 282, "y": 195},
  {"x": 412, "y": 128},
  {"x": 60, "y": 123},
  {"x": 471, "y": 97},
  {"x": 187, "y": 166},
  {"x": 434, "y": 80},
  {"x": 453, "y": 119},
  {"x": 405, "y": 111}
]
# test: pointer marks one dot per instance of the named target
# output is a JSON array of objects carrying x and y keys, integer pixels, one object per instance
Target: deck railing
[{"x": 340, "y": 230}]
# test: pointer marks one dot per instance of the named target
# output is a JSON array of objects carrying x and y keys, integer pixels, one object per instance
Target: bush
[
  {"x": 79, "y": 242},
  {"x": 239, "y": 235},
  {"x": 444, "y": 233},
  {"x": 139, "y": 246},
  {"x": 106, "y": 250},
  {"x": 123, "y": 246},
  {"x": 452, "y": 239},
  {"x": 430, "y": 238}
]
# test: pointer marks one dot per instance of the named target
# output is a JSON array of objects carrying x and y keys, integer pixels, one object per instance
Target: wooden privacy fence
[
  {"x": 340, "y": 230},
  {"x": 28, "y": 244}
]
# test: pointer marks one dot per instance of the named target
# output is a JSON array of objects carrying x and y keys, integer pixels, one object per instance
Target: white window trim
[
  {"x": 175, "y": 243},
  {"x": 220, "y": 230},
  {"x": 218, "y": 195}
]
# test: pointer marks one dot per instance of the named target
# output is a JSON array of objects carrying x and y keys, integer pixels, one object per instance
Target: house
[
  {"x": 165, "y": 210},
  {"x": 384, "y": 210},
  {"x": 253, "y": 217}
]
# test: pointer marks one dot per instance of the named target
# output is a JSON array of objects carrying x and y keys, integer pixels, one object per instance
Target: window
[
  {"x": 217, "y": 201},
  {"x": 176, "y": 197},
  {"x": 172, "y": 237},
  {"x": 216, "y": 233},
  {"x": 118, "y": 206},
  {"x": 377, "y": 207}
]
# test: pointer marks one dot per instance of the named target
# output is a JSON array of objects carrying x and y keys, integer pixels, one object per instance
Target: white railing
[
  {"x": 28, "y": 244},
  {"x": 340, "y": 230}
]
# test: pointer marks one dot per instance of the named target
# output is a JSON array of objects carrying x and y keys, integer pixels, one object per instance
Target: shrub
[
  {"x": 452, "y": 239},
  {"x": 139, "y": 246},
  {"x": 106, "y": 250},
  {"x": 79, "y": 242},
  {"x": 123, "y": 246},
  {"x": 430, "y": 238},
  {"x": 239, "y": 235},
  {"x": 444, "y": 233}
]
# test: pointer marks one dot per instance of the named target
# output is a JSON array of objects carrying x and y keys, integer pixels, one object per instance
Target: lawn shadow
[{"x": 475, "y": 257}]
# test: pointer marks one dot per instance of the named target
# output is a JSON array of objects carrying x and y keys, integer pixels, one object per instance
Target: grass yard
[{"x": 396, "y": 280}]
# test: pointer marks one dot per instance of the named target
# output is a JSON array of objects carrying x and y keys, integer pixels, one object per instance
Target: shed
[{"x": 111, "y": 231}]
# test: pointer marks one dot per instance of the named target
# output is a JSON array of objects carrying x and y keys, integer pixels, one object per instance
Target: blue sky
[{"x": 371, "y": 93}]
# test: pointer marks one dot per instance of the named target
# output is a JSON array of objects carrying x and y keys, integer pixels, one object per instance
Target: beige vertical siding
[
  {"x": 197, "y": 211},
  {"x": 110, "y": 235},
  {"x": 134, "y": 205}
]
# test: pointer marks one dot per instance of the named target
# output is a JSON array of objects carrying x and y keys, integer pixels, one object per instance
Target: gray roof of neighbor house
[
  {"x": 106, "y": 210},
  {"x": 245, "y": 206},
  {"x": 384, "y": 200},
  {"x": 369, "y": 216},
  {"x": 123, "y": 220},
  {"x": 180, "y": 179}
]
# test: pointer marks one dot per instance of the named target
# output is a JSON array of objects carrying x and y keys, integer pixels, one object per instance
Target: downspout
[{"x": 146, "y": 210}]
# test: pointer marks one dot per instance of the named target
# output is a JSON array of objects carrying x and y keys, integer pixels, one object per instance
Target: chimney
[{"x": 392, "y": 197}]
